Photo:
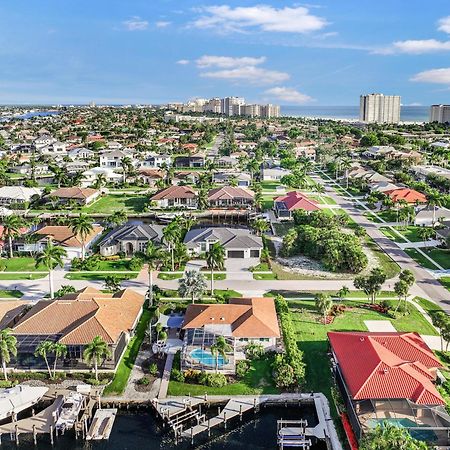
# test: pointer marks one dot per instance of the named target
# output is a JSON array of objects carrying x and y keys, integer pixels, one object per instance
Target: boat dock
[
  {"x": 293, "y": 433},
  {"x": 102, "y": 424}
]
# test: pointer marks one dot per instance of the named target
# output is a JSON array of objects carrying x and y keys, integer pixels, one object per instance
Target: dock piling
[{"x": 34, "y": 434}]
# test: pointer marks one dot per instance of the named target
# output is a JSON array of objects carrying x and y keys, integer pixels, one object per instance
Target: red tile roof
[
  {"x": 296, "y": 200},
  {"x": 175, "y": 192},
  {"x": 229, "y": 193},
  {"x": 386, "y": 366},
  {"x": 409, "y": 195}
]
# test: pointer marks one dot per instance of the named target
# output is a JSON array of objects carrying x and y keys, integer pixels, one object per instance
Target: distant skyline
[{"x": 289, "y": 53}]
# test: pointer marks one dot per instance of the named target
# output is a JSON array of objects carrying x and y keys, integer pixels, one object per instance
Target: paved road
[{"x": 426, "y": 283}]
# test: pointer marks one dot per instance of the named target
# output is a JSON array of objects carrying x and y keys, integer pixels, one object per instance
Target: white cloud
[
  {"x": 183, "y": 62},
  {"x": 224, "y": 18},
  {"x": 228, "y": 62},
  {"x": 437, "y": 76},
  {"x": 135, "y": 24},
  {"x": 249, "y": 74},
  {"x": 289, "y": 95},
  {"x": 162, "y": 23},
  {"x": 415, "y": 47},
  {"x": 444, "y": 24}
]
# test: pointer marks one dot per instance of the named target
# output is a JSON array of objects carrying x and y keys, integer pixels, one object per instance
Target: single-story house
[
  {"x": 274, "y": 174},
  {"x": 242, "y": 179},
  {"x": 129, "y": 238},
  {"x": 81, "y": 153},
  {"x": 394, "y": 380},
  {"x": 75, "y": 320},
  {"x": 240, "y": 322},
  {"x": 285, "y": 205},
  {"x": 83, "y": 196},
  {"x": 150, "y": 176},
  {"x": 229, "y": 196},
  {"x": 60, "y": 235},
  {"x": 411, "y": 196},
  {"x": 427, "y": 216},
  {"x": 91, "y": 175},
  {"x": 189, "y": 161},
  {"x": 176, "y": 197},
  {"x": 18, "y": 195},
  {"x": 11, "y": 312},
  {"x": 238, "y": 242}
]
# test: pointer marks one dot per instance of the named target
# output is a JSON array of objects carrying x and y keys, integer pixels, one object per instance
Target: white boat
[
  {"x": 19, "y": 398},
  {"x": 69, "y": 411}
]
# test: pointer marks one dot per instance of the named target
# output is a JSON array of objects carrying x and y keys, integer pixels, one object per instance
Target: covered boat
[{"x": 18, "y": 398}]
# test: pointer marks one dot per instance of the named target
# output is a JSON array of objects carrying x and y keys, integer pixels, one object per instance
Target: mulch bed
[{"x": 375, "y": 307}]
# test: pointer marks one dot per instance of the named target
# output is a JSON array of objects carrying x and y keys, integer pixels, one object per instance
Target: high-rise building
[
  {"x": 440, "y": 113},
  {"x": 230, "y": 106},
  {"x": 251, "y": 110},
  {"x": 213, "y": 105},
  {"x": 379, "y": 108},
  {"x": 268, "y": 111}
]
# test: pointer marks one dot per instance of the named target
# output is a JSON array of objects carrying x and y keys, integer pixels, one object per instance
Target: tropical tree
[
  {"x": 82, "y": 226},
  {"x": 401, "y": 288},
  {"x": 171, "y": 235},
  {"x": 215, "y": 258},
  {"x": 425, "y": 233},
  {"x": 60, "y": 351},
  {"x": 323, "y": 304},
  {"x": 260, "y": 226},
  {"x": 100, "y": 181},
  {"x": 441, "y": 321},
  {"x": 11, "y": 229},
  {"x": 8, "y": 347},
  {"x": 371, "y": 284},
  {"x": 153, "y": 257},
  {"x": 434, "y": 200},
  {"x": 220, "y": 348},
  {"x": 192, "y": 284},
  {"x": 43, "y": 350},
  {"x": 112, "y": 283},
  {"x": 51, "y": 257},
  {"x": 117, "y": 218},
  {"x": 95, "y": 352},
  {"x": 391, "y": 437},
  {"x": 343, "y": 292}
]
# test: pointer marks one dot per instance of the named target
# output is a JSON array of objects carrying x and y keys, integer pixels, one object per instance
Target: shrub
[
  {"x": 144, "y": 381},
  {"x": 253, "y": 350},
  {"x": 216, "y": 380},
  {"x": 285, "y": 376},
  {"x": 177, "y": 375},
  {"x": 191, "y": 375},
  {"x": 5, "y": 384},
  {"x": 242, "y": 368},
  {"x": 153, "y": 369},
  {"x": 135, "y": 263}
]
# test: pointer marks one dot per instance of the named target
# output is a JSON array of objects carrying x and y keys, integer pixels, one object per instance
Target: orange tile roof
[
  {"x": 409, "y": 195},
  {"x": 230, "y": 192},
  {"x": 9, "y": 309},
  {"x": 175, "y": 192},
  {"x": 64, "y": 236},
  {"x": 248, "y": 317},
  {"x": 74, "y": 192},
  {"x": 81, "y": 316}
]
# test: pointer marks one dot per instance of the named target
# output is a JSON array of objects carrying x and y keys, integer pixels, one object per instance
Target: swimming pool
[
  {"x": 422, "y": 435},
  {"x": 206, "y": 358}
]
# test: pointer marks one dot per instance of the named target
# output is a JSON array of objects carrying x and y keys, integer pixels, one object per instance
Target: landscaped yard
[
  {"x": 113, "y": 202},
  {"x": 118, "y": 384},
  {"x": 389, "y": 266},
  {"x": 282, "y": 228},
  {"x": 420, "y": 259},
  {"x": 217, "y": 276},
  {"x": 90, "y": 276},
  {"x": 440, "y": 255},
  {"x": 169, "y": 276},
  {"x": 113, "y": 265},
  {"x": 20, "y": 264},
  {"x": 4, "y": 293},
  {"x": 264, "y": 276},
  {"x": 258, "y": 380},
  {"x": 445, "y": 281},
  {"x": 391, "y": 234},
  {"x": 313, "y": 341},
  {"x": 411, "y": 233}
]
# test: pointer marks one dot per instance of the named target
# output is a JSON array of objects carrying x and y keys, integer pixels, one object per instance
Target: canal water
[{"x": 141, "y": 430}]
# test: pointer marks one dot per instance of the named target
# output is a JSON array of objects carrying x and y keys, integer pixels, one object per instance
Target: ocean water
[
  {"x": 140, "y": 430},
  {"x": 407, "y": 113}
]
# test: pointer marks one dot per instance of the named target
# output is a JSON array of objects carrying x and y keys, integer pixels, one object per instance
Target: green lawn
[
  {"x": 4, "y": 293},
  {"x": 20, "y": 264},
  {"x": 261, "y": 267},
  {"x": 21, "y": 276},
  {"x": 427, "y": 305},
  {"x": 420, "y": 259},
  {"x": 391, "y": 234},
  {"x": 445, "y": 281},
  {"x": 271, "y": 185},
  {"x": 312, "y": 338},
  {"x": 217, "y": 276},
  {"x": 169, "y": 276},
  {"x": 90, "y": 276},
  {"x": 267, "y": 202},
  {"x": 440, "y": 255},
  {"x": 390, "y": 267},
  {"x": 114, "y": 202},
  {"x": 322, "y": 199},
  {"x": 411, "y": 233},
  {"x": 123, "y": 371},
  {"x": 372, "y": 217},
  {"x": 258, "y": 380},
  {"x": 282, "y": 228},
  {"x": 264, "y": 276},
  {"x": 310, "y": 294}
]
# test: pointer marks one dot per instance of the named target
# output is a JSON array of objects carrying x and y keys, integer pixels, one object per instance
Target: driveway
[{"x": 237, "y": 268}]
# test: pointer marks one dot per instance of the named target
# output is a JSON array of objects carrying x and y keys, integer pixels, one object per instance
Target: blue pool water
[
  {"x": 422, "y": 435},
  {"x": 206, "y": 358}
]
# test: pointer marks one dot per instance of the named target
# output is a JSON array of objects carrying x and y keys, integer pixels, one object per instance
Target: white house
[
  {"x": 17, "y": 194},
  {"x": 89, "y": 176},
  {"x": 274, "y": 174},
  {"x": 155, "y": 160},
  {"x": 113, "y": 159}
]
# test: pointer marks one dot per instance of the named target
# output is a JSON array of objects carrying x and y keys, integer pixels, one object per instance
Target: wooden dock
[
  {"x": 102, "y": 424},
  {"x": 171, "y": 407}
]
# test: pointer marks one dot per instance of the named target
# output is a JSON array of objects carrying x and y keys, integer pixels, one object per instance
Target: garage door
[{"x": 236, "y": 254}]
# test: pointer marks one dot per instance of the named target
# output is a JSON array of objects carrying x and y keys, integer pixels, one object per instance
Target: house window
[{"x": 203, "y": 247}]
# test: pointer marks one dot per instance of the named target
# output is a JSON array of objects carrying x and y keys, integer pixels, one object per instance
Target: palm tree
[
  {"x": 260, "y": 226},
  {"x": 426, "y": 233},
  {"x": 50, "y": 258},
  {"x": 153, "y": 257},
  {"x": 100, "y": 181},
  {"x": 192, "y": 284},
  {"x": 11, "y": 226},
  {"x": 95, "y": 352},
  {"x": 43, "y": 350},
  {"x": 346, "y": 165},
  {"x": 220, "y": 347},
  {"x": 60, "y": 351},
  {"x": 215, "y": 258},
  {"x": 323, "y": 304},
  {"x": 434, "y": 200},
  {"x": 8, "y": 347},
  {"x": 343, "y": 292},
  {"x": 117, "y": 218},
  {"x": 171, "y": 236},
  {"x": 82, "y": 226}
]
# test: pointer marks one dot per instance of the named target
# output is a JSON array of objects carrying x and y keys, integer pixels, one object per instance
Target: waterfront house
[
  {"x": 18, "y": 195},
  {"x": 75, "y": 320},
  {"x": 189, "y": 161},
  {"x": 394, "y": 381},
  {"x": 90, "y": 176},
  {"x": 155, "y": 161},
  {"x": 150, "y": 176},
  {"x": 129, "y": 238},
  {"x": 240, "y": 322},
  {"x": 238, "y": 242},
  {"x": 229, "y": 196},
  {"x": 176, "y": 197},
  {"x": 241, "y": 179},
  {"x": 285, "y": 205},
  {"x": 113, "y": 159},
  {"x": 82, "y": 196}
]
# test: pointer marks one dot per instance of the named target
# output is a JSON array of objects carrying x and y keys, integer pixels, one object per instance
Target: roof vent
[
  {"x": 385, "y": 371},
  {"x": 361, "y": 339},
  {"x": 211, "y": 318},
  {"x": 222, "y": 318}
]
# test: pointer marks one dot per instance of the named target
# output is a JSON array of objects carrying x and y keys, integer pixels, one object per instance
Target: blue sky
[{"x": 154, "y": 51}]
